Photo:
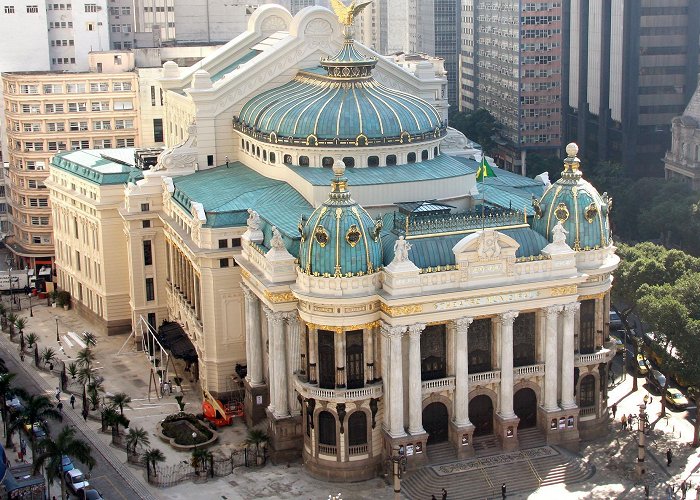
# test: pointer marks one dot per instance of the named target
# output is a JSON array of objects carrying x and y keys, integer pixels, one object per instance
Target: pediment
[{"x": 486, "y": 254}]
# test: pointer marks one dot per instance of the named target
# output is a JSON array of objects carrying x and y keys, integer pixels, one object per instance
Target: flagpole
[{"x": 483, "y": 193}]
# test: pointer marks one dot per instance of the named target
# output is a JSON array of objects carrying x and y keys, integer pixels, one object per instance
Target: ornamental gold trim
[
  {"x": 563, "y": 290},
  {"x": 277, "y": 297},
  {"x": 590, "y": 212},
  {"x": 561, "y": 212},
  {"x": 353, "y": 236},
  {"x": 401, "y": 310},
  {"x": 345, "y": 328},
  {"x": 321, "y": 236},
  {"x": 592, "y": 296},
  {"x": 245, "y": 274}
]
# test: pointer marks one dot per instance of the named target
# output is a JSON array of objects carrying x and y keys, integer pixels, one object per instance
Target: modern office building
[
  {"x": 371, "y": 26},
  {"x": 383, "y": 311},
  {"x": 434, "y": 29},
  {"x": 682, "y": 160},
  {"x": 633, "y": 68},
  {"x": 511, "y": 65}
]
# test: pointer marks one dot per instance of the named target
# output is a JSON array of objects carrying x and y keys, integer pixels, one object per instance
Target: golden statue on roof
[{"x": 347, "y": 13}]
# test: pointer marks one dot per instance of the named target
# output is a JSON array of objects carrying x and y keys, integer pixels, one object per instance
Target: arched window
[
  {"x": 391, "y": 160},
  {"x": 326, "y": 428},
  {"x": 424, "y": 155},
  {"x": 587, "y": 392},
  {"x": 349, "y": 161},
  {"x": 258, "y": 151},
  {"x": 435, "y": 151},
  {"x": 357, "y": 428},
  {"x": 288, "y": 159},
  {"x": 273, "y": 158},
  {"x": 327, "y": 161},
  {"x": 304, "y": 161},
  {"x": 264, "y": 155},
  {"x": 411, "y": 158},
  {"x": 373, "y": 161}
]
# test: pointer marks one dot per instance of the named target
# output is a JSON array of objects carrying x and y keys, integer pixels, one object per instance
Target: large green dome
[
  {"x": 577, "y": 205},
  {"x": 341, "y": 104},
  {"x": 340, "y": 239}
]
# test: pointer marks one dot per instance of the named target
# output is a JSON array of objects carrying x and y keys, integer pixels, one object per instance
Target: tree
[
  {"x": 31, "y": 339},
  {"x": 85, "y": 358},
  {"x": 478, "y": 125},
  {"x": 7, "y": 390},
  {"x": 121, "y": 400},
  {"x": 11, "y": 318},
  {"x": 53, "y": 450},
  {"x": 72, "y": 369},
  {"x": 150, "y": 459},
  {"x": 90, "y": 339},
  {"x": 137, "y": 437},
  {"x": 21, "y": 324},
  {"x": 37, "y": 409},
  {"x": 256, "y": 437},
  {"x": 48, "y": 355},
  {"x": 200, "y": 458}
]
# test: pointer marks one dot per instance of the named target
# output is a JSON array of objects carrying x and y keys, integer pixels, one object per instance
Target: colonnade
[{"x": 185, "y": 277}]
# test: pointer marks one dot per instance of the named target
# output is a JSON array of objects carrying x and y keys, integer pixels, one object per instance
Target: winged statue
[{"x": 347, "y": 13}]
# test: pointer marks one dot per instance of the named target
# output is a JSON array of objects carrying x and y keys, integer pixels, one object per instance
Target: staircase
[
  {"x": 531, "y": 438},
  {"x": 485, "y": 446},
  {"x": 441, "y": 453}
]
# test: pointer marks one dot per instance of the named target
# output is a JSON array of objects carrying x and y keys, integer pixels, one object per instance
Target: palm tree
[
  {"x": 151, "y": 458},
  {"x": 11, "y": 318},
  {"x": 72, "y": 369},
  {"x": 48, "y": 355},
  {"x": 14, "y": 422},
  {"x": 53, "y": 450},
  {"x": 31, "y": 339},
  {"x": 85, "y": 358},
  {"x": 21, "y": 324},
  {"x": 121, "y": 400},
  {"x": 137, "y": 437},
  {"x": 84, "y": 375},
  {"x": 37, "y": 409},
  {"x": 3, "y": 314},
  {"x": 256, "y": 437},
  {"x": 200, "y": 458},
  {"x": 112, "y": 418},
  {"x": 90, "y": 339},
  {"x": 6, "y": 390}
]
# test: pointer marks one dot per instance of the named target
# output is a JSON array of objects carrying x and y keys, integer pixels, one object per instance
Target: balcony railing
[
  {"x": 601, "y": 356},
  {"x": 586, "y": 411},
  {"x": 437, "y": 385},
  {"x": 485, "y": 377},
  {"x": 339, "y": 395},
  {"x": 327, "y": 449},
  {"x": 360, "y": 449},
  {"x": 529, "y": 370}
]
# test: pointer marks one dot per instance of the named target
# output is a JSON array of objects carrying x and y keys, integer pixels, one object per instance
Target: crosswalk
[{"x": 75, "y": 338}]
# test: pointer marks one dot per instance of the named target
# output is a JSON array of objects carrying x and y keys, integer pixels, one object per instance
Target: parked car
[
  {"x": 615, "y": 321},
  {"x": 67, "y": 463},
  {"x": 37, "y": 430},
  {"x": 89, "y": 494},
  {"x": 657, "y": 379},
  {"x": 675, "y": 398},
  {"x": 643, "y": 364},
  {"x": 75, "y": 480},
  {"x": 14, "y": 404}
]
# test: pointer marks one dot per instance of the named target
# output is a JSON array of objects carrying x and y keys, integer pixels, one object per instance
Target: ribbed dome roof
[
  {"x": 342, "y": 105},
  {"x": 577, "y": 205},
  {"x": 340, "y": 239}
]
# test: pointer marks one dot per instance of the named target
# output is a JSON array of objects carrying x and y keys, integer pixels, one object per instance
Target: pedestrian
[
  {"x": 72, "y": 401},
  {"x": 646, "y": 491},
  {"x": 433, "y": 498},
  {"x": 58, "y": 394},
  {"x": 23, "y": 446},
  {"x": 614, "y": 409},
  {"x": 623, "y": 420},
  {"x": 60, "y": 406},
  {"x": 684, "y": 490},
  {"x": 170, "y": 387},
  {"x": 630, "y": 421},
  {"x": 669, "y": 457},
  {"x": 444, "y": 494},
  {"x": 85, "y": 414},
  {"x": 697, "y": 491},
  {"x": 503, "y": 490}
]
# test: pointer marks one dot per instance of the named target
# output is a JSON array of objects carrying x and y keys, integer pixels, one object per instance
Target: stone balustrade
[
  {"x": 485, "y": 377},
  {"x": 529, "y": 370},
  {"x": 437, "y": 385},
  {"x": 338, "y": 395}
]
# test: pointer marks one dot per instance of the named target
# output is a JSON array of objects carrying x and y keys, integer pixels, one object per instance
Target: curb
[{"x": 104, "y": 450}]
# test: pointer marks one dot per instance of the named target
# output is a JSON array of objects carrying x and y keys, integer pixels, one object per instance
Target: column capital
[
  {"x": 246, "y": 290},
  {"x": 291, "y": 316},
  {"x": 415, "y": 330},
  {"x": 462, "y": 324},
  {"x": 571, "y": 309},
  {"x": 552, "y": 310},
  {"x": 392, "y": 330},
  {"x": 274, "y": 316},
  {"x": 507, "y": 317}
]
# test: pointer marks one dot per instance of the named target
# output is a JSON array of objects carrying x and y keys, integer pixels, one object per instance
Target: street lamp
[
  {"x": 58, "y": 339},
  {"x": 641, "y": 450},
  {"x": 9, "y": 279},
  {"x": 397, "y": 462},
  {"x": 29, "y": 295}
]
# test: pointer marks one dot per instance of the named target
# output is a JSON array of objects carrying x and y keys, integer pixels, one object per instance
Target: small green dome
[
  {"x": 574, "y": 202},
  {"x": 340, "y": 239},
  {"x": 341, "y": 104}
]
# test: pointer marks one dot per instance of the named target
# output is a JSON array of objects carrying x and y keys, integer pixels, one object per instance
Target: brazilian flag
[{"x": 484, "y": 170}]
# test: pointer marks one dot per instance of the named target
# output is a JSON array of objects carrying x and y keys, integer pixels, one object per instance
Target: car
[
  {"x": 66, "y": 463},
  {"x": 657, "y": 379},
  {"x": 89, "y": 494},
  {"x": 14, "y": 404},
  {"x": 75, "y": 480},
  {"x": 615, "y": 321},
  {"x": 37, "y": 429},
  {"x": 643, "y": 364},
  {"x": 619, "y": 345},
  {"x": 675, "y": 398}
]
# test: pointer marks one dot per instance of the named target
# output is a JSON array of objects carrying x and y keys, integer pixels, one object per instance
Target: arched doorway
[
  {"x": 435, "y": 421},
  {"x": 481, "y": 415},
  {"x": 525, "y": 406}
]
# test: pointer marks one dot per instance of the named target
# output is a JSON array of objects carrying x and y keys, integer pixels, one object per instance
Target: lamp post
[
  {"x": 624, "y": 357},
  {"x": 58, "y": 339},
  {"x": 641, "y": 450},
  {"x": 397, "y": 462},
  {"x": 9, "y": 279}
]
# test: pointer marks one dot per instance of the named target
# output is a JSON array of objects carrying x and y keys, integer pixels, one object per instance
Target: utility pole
[{"x": 641, "y": 450}]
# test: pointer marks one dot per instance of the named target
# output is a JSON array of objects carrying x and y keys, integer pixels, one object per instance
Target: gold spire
[{"x": 347, "y": 13}]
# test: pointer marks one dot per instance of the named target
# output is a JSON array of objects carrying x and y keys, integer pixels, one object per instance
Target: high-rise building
[
  {"x": 433, "y": 29},
  {"x": 371, "y": 26},
  {"x": 633, "y": 68},
  {"x": 511, "y": 65}
]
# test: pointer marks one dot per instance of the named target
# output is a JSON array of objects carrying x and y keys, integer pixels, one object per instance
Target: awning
[{"x": 173, "y": 338}]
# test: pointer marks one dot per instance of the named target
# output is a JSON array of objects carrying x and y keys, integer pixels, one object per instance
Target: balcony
[
  {"x": 602, "y": 356},
  {"x": 338, "y": 395},
  {"x": 528, "y": 371},
  {"x": 485, "y": 377},
  {"x": 327, "y": 449},
  {"x": 360, "y": 449},
  {"x": 437, "y": 385}
]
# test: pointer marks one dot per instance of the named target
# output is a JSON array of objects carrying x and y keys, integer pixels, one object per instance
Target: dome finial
[
  {"x": 572, "y": 149},
  {"x": 571, "y": 163},
  {"x": 347, "y": 13},
  {"x": 339, "y": 184}
]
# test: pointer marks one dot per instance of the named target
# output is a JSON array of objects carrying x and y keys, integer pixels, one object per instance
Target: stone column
[
  {"x": 370, "y": 366},
  {"x": 384, "y": 345},
  {"x": 599, "y": 321},
  {"x": 313, "y": 355},
  {"x": 255, "y": 364},
  {"x": 276, "y": 363},
  {"x": 340, "y": 359},
  {"x": 395, "y": 373},
  {"x": 247, "y": 297},
  {"x": 461, "y": 357},
  {"x": 506, "y": 320},
  {"x": 293, "y": 360},
  {"x": 415, "y": 396},
  {"x": 567, "y": 356},
  {"x": 550, "y": 357}
]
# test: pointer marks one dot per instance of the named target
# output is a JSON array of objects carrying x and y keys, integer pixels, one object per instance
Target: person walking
[
  {"x": 669, "y": 457},
  {"x": 85, "y": 414},
  {"x": 444, "y": 494},
  {"x": 503, "y": 490},
  {"x": 684, "y": 490},
  {"x": 72, "y": 401},
  {"x": 433, "y": 497},
  {"x": 58, "y": 394},
  {"x": 60, "y": 407},
  {"x": 614, "y": 409},
  {"x": 623, "y": 420}
]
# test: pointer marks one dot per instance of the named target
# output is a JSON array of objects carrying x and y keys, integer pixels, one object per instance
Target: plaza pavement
[{"x": 126, "y": 369}]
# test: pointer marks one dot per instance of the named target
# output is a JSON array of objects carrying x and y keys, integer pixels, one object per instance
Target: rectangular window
[
  {"x": 28, "y": 89},
  {"x": 123, "y": 124},
  {"x": 76, "y": 107},
  {"x": 147, "y": 253},
  {"x": 103, "y": 143},
  {"x": 122, "y": 105},
  {"x": 78, "y": 126},
  {"x": 223, "y": 262},
  {"x": 84, "y": 144},
  {"x": 99, "y": 87},
  {"x": 235, "y": 242},
  {"x": 100, "y": 105},
  {"x": 32, "y": 9},
  {"x": 157, "y": 129},
  {"x": 145, "y": 207},
  {"x": 146, "y": 224},
  {"x": 75, "y": 88},
  {"x": 122, "y": 86},
  {"x": 35, "y": 127},
  {"x": 57, "y": 146},
  {"x": 9, "y": 9},
  {"x": 223, "y": 243},
  {"x": 90, "y": 7},
  {"x": 150, "y": 290},
  {"x": 129, "y": 142},
  {"x": 53, "y": 89},
  {"x": 102, "y": 125},
  {"x": 31, "y": 109}
]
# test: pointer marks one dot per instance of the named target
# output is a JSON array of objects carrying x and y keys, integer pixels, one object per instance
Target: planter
[
  {"x": 66, "y": 307},
  {"x": 53, "y": 304},
  {"x": 189, "y": 427}
]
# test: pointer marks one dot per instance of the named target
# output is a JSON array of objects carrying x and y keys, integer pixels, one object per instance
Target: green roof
[
  {"x": 440, "y": 167},
  {"x": 99, "y": 166},
  {"x": 227, "y": 193}
]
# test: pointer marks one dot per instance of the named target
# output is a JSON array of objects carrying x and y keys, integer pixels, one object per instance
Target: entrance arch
[
  {"x": 481, "y": 415},
  {"x": 525, "y": 407},
  {"x": 435, "y": 422}
]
